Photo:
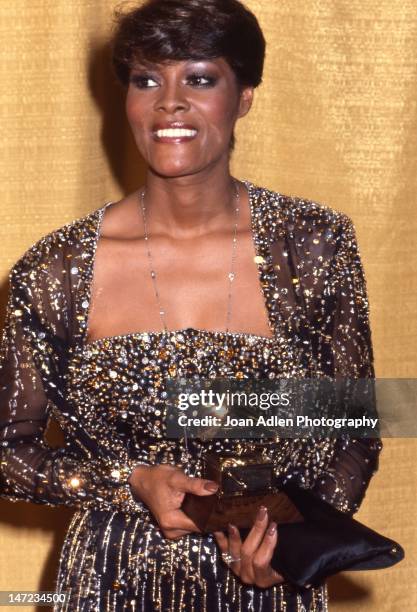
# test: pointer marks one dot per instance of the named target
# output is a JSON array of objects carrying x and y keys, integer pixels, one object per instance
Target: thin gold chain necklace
[{"x": 231, "y": 275}]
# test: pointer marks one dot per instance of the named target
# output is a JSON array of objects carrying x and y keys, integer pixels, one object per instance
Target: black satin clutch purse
[
  {"x": 325, "y": 542},
  {"x": 315, "y": 540}
]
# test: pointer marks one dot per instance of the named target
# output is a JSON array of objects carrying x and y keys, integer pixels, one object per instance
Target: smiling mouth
[{"x": 174, "y": 134}]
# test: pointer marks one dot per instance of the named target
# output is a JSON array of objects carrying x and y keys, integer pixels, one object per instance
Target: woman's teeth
[{"x": 175, "y": 133}]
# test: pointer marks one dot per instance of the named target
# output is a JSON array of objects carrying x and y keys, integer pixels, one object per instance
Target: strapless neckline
[{"x": 187, "y": 331}]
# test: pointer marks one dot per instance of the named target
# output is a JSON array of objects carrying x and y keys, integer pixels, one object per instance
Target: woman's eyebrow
[
  {"x": 143, "y": 67},
  {"x": 202, "y": 61}
]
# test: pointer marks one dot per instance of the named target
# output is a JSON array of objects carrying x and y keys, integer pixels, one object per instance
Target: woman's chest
[{"x": 203, "y": 285}]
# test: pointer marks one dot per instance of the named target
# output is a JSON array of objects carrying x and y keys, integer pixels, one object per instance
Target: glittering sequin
[{"x": 108, "y": 397}]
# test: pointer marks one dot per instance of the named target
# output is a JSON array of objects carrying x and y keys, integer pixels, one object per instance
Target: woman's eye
[
  {"x": 143, "y": 81},
  {"x": 202, "y": 80}
]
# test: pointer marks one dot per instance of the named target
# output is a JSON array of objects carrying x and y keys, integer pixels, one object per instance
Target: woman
[{"x": 195, "y": 272}]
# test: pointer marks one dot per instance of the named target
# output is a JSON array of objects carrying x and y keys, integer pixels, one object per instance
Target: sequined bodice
[{"x": 121, "y": 380}]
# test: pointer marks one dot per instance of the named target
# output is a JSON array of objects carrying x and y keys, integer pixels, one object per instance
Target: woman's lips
[{"x": 174, "y": 135}]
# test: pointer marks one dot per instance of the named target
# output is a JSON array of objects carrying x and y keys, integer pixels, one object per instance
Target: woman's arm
[
  {"x": 345, "y": 340},
  {"x": 342, "y": 348},
  {"x": 32, "y": 358},
  {"x": 86, "y": 471}
]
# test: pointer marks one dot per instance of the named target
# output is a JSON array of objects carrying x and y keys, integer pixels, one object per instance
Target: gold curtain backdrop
[{"x": 335, "y": 121}]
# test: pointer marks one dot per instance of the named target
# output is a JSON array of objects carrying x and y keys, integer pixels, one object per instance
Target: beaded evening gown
[{"x": 109, "y": 396}]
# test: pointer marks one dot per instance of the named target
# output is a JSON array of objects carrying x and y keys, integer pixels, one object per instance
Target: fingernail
[
  {"x": 262, "y": 513},
  {"x": 211, "y": 486},
  {"x": 232, "y": 529},
  {"x": 272, "y": 529}
]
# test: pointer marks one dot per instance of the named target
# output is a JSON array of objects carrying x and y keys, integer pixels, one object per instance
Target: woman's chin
[{"x": 174, "y": 170}]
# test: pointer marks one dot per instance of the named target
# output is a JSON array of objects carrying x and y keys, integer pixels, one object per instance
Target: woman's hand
[
  {"x": 162, "y": 488},
  {"x": 253, "y": 556}
]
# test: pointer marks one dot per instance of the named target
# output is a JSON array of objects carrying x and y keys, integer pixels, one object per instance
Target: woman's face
[{"x": 182, "y": 114}]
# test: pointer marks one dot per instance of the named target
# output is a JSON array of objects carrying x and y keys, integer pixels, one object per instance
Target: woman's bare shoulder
[{"x": 122, "y": 219}]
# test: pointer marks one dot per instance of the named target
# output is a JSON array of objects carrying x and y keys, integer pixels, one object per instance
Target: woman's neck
[{"x": 190, "y": 205}]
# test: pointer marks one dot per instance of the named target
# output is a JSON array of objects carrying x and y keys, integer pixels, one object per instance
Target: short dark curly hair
[{"x": 173, "y": 30}]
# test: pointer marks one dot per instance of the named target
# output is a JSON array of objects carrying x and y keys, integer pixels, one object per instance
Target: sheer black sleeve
[
  {"x": 33, "y": 358},
  {"x": 344, "y": 341}
]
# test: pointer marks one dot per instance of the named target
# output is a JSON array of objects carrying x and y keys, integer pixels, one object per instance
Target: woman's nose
[{"x": 172, "y": 98}]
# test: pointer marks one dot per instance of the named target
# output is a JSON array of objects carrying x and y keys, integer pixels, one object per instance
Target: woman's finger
[
  {"x": 235, "y": 546},
  {"x": 268, "y": 545},
  {"x": 189, "y": 484},
  {"x": 256, "y": 534},
  {"x": 178, "y": 520},
  {"x": 230, "y": 546},
  {"x": 175, "y": 534},
  {"x": 265, "y": 576},
  {"x": 222, "y": 541},
  {"x": 251, "y": 544}
]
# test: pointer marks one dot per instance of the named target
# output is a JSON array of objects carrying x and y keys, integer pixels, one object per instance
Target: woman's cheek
[
  {"x": 137, "y": 127},
  {"x": 134, "y": 110},
  {"x": 132, "y": 118}
]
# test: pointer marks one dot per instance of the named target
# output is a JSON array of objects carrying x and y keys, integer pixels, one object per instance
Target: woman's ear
[{"x": 245, "y": 101}]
